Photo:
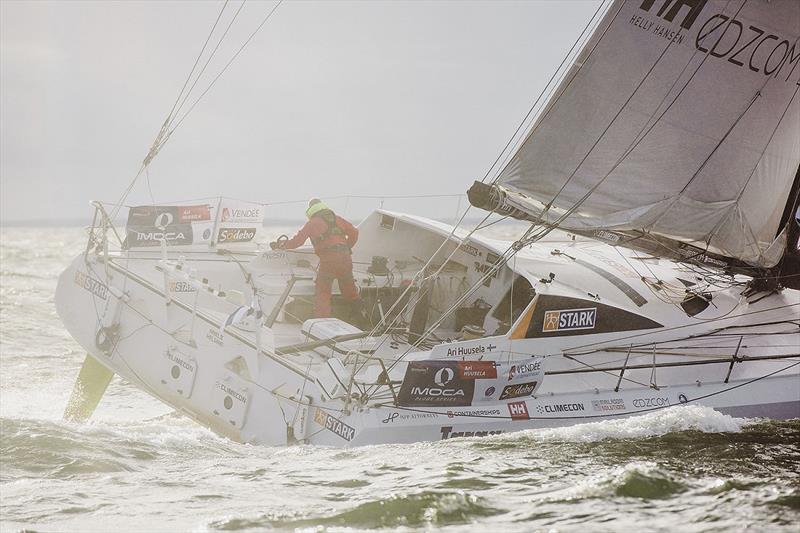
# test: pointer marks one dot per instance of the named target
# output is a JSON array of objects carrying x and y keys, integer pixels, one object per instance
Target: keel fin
[{"x": 90, "y": 385}]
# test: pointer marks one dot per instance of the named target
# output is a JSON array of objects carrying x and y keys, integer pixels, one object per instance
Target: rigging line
[
  {"x": 228, "y": 64},
  {"x": 126, "y": 192},
  {"x": 630, "y": 149},
  {"x": 709, "y": 395},
  {"x": 269, "y": 204},
  {"x": 421, "y": 272},
  {"x": 608, "y": 127},
  {"x": 208, "y": 60},
  {"x": 556, "y": 86},
  {"x": 611, "y": 373},
  {"x": 755, "y": 167},
  {"x": 691, "y": 263},
  {"x": 705, "y": 161},
  {"x": 197, "y": 61},
  {"x": 649, "y": 129},
  {"x": 539, "y": 97},
  {"x": 406, "y": 306},
  {"x": 360, "y": 197},
  {"x": 163, "y": 129},
  {"x": 712, "y": 335},
  {"x": 685, "y": 85},
  {"x": 429, "y": 331},
  {"x": 675, "y": 328},
  {"x": 648, "y": 126},
  {"x": 502, "y": 261},
  {"x": 302, "y": 390},
  {"x": 149, "y": 187},
  {"x": 658, "y": 296}
]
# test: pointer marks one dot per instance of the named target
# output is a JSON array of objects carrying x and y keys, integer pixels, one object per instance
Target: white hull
[{"x": 157, "y": 323}]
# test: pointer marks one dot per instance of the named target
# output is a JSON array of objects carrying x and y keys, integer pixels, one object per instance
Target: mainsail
[{"x": 679, "y": 119}]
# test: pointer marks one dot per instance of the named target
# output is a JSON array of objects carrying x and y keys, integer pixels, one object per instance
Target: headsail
[{"x": 679, "y": 119}]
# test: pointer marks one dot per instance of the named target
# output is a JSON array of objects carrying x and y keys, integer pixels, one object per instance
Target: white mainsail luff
[{"x": 680, "y": 118}]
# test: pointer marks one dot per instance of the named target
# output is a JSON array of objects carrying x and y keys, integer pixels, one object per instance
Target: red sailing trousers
[{"x": 333, "y": 266}]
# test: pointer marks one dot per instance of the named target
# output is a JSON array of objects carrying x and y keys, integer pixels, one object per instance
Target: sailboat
[{"x": 660, "y": 180}]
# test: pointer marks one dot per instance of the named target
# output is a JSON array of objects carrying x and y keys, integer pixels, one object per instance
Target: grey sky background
[{"x": 330, "y": 98}]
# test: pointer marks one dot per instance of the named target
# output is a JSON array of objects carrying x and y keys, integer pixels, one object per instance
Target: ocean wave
[
  {"x": 674, "y": 419},
  {"x": 643, "y": 480},
  {"x": 58, "y": 449},
  {"x": 424, "y": 509}
]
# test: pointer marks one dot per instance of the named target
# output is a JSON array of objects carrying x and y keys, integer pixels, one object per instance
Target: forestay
[{"x": 679, "y": 118}]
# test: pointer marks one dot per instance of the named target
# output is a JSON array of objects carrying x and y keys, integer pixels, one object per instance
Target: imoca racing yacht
[{"x": 659, "y": 176}]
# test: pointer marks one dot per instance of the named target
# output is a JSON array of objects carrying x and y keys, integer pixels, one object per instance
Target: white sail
[{"x": 679, "y": 118}]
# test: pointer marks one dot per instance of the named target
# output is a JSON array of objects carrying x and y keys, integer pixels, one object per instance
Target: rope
[
  {"x": 167, "y": 128},
  {"x": 208, "y": 60},
  {"x": 164, "y": 126},
  {"x": 550, "y": 226},
  {"x": 541, "y": 93},
  {"x": 747, "y": 181},
  {"x": 555, "y": 86},
  {"x": 228, "y": 64}
]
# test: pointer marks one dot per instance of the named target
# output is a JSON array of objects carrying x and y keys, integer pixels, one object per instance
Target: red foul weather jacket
[{"x": 326, "y": 242}]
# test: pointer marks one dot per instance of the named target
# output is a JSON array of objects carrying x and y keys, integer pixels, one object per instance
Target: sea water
[{"x": 137, "y": 466}]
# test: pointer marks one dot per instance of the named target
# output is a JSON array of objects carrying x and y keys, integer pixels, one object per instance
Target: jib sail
[{"x": 679, "y": 120}]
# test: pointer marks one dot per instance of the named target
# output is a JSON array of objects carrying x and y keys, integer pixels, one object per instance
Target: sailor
[{"x": 333, "y": 238}]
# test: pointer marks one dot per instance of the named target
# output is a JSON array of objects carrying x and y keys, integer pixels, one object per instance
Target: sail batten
[{"x": 678, "y": 119}]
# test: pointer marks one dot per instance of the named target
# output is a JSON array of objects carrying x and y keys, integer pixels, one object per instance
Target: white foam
[
  {"x": 599, "y": 485},
  {"x": 678, "y": 418}
]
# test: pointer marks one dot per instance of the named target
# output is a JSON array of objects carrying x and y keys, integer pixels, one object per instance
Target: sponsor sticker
[
  {"x": 334, "y": 425},
  {"x": 518, "y": 411},
  {"x": 193, "y": 213},
  {"x": 484, "y": 393},
  {"x": 215, "y": 336},
  {"x": 748, "y": 46},
  {"x": 524, "y": 370},
  {"x": 471, "y": 250},
  {"x": 236, "y": 234},
  {"x": 233, "y": 393},
  {"x": 241, "y": 214},
  {"x": 474, "y": 412},
  {"x": 180, "y": 361},
  {"x": 560, "y": 408},
  {"x": 607, "y": 235},
  {"x": 90, "y": 284},
  {"x": 476, "y": 370},
  {"x": 429, "y": 383},
  {"x": 614, "y": 404},
  {"x": 402, "y": 417},
  {"x": 181, "y": 286},
  {"x": 641, "y": 403},
  {"x": 518, "y": 390},
  {"x": 149, "y": 237},
  {"x": 569, "y": 319},
  {"x": 149, "y": 225},
  {"x": 448, "y": 433}
]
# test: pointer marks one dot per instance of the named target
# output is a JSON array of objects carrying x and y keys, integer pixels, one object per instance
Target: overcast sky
[{"x": 330, "y": 98}]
